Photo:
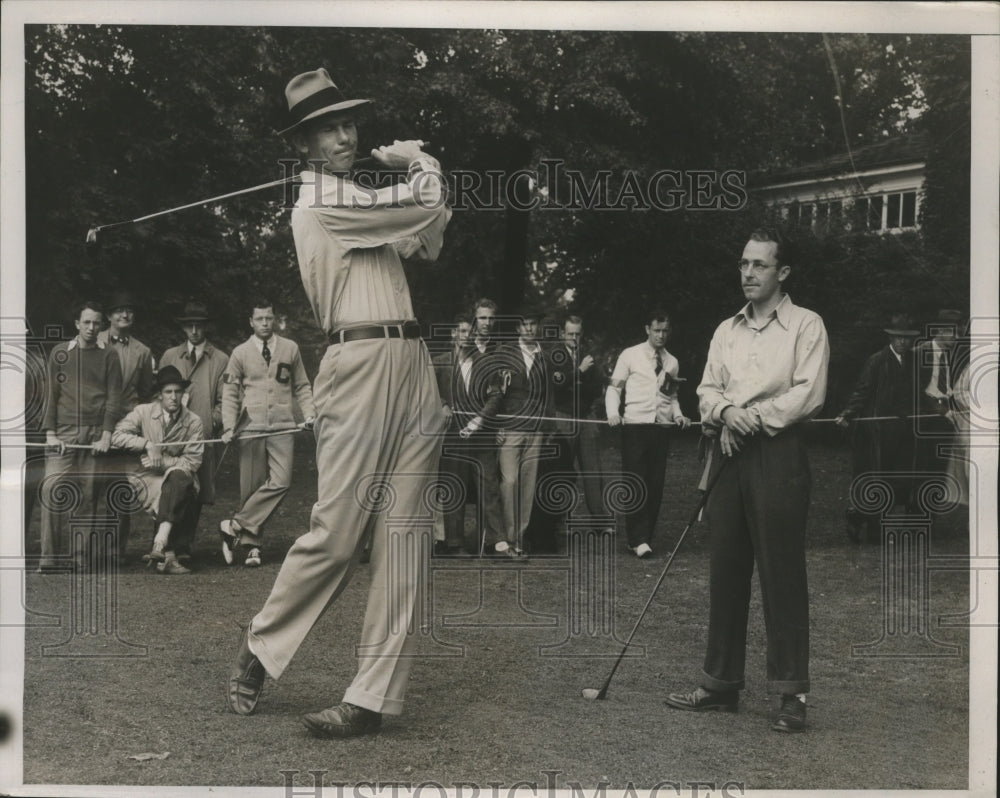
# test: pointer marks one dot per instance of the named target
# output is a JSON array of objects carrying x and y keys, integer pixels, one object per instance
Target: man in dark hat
[
  {"x": 203, "y": 365},
  {"x": 885, "y": 388},
  {"x": 137, "y": 386},
  {"x": 168, "y": 438},
  {"x": 378, "y": 411},
  {"x": 135, "y": 356}
]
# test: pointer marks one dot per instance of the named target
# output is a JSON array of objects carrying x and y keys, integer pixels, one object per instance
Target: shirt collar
[
  {"x": 272, "y": 342},
  {"x": 529, "y": 350},
  {"x": 782, "y": 313},
  {"x": 651, "y": 350},
  {"x": 76, "y": 342},
  {"x": 899, "y": 357}
]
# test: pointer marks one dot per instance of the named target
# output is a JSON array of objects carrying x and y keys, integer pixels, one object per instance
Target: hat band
[{"x": 331, "y": 95}]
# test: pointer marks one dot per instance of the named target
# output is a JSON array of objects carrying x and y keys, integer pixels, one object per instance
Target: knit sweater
[{"x": 85, "y": 387}]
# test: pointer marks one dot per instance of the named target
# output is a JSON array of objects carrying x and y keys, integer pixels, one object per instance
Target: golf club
[
  {"x": 593, "y": 694},
  {"x": 93, "y": 233}
]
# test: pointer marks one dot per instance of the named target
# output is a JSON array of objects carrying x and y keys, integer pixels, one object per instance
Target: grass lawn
[{"x": 497, "y": 699}]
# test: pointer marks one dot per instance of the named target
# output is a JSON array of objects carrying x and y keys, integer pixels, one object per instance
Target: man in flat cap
[
  {"x": 203, "y": 365},
  {"x": 378, "y": 412},
  {"x": 885, "y": 388}
]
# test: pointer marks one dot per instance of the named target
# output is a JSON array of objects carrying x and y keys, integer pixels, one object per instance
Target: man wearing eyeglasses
[{"x": 765, "y": 376}]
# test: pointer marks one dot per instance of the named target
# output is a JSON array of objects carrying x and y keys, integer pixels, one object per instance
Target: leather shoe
[
  {"x": 246, "y": 679},
  {"x": 343, "y": 720},
  {"x": 702, "y": 700},
  {"x": 792, "y": 715}
]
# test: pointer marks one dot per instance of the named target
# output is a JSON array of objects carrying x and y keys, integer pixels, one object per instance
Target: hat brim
[
  {"x": 904, "y": 333},
  {"x": 326, "y": 109},
  {"x": 184, "y": 384},
  {"x": 189, "y": 319}
]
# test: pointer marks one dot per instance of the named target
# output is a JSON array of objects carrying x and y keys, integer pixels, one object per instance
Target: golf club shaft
[
  {"x": 361, "y": 162},
  {"x": 663, "y": 574}
]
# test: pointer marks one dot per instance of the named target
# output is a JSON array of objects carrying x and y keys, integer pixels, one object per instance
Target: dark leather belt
[{"x": 408, "y": 329}]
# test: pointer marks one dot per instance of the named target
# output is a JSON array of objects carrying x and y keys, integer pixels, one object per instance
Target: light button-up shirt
[{"x": 774, "y": 367}]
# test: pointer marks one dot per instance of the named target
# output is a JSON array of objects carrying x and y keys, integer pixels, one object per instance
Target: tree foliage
[{"x": 122, "y": 121}]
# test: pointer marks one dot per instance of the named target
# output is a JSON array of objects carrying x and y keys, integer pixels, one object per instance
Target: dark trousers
[
  {"x": 757, "y": 512},
  {"x": 644, "y": 453},
  {"x": 474, "y": 462},
  {"x": 177, "y": 500}
]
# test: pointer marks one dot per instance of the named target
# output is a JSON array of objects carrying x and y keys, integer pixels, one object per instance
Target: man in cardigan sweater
[
  {"x": 83, "y": 404},
  {"x": 264, "y": 375},
  {"x": 203, "y": 366}
]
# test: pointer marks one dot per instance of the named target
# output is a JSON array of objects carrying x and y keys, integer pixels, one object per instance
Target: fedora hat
[
  {"x": 193, "y": 311},
  {"x": 949, "y": 316},
  {"x": 902, "y": 325},
  {"x": 314, "y": 94},
  {"x": 123, "y": 299},
  {"x": 169, "y": 375}
]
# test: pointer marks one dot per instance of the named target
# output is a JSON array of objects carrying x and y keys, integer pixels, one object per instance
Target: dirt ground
[{"x": 496, "y": 696}]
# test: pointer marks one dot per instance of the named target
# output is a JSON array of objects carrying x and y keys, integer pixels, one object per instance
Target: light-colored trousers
[
  {"x": 518, "y": 461},
  {"x": 377, "y": 429},
  {"x": 69, "y": 489},
  {"x": 265, "y": 476}
]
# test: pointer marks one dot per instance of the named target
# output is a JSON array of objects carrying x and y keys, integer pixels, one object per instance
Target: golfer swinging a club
[
  {"x": 377, "y": 409},
  {"x": 765, "y": 376}
]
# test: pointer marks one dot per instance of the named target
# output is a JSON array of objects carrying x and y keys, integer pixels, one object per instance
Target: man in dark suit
[
  {"x": 453, "y": 370},
  {"x": 522, "y": 378},
  {"x": 576, "y": 385},
  {"x": 885, "y": 388}
]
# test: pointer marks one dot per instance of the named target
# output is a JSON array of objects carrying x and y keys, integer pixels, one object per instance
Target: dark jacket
[
  {"x": 574, "y": 393},
  {"x": 523, "y": 393},
  {"x": 886, "y": 387}
]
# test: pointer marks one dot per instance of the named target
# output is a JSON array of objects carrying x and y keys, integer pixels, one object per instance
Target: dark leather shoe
[
  {"x": 702, "y": 700},
  {"x": 792, "y": 715},
  {"x": 246, "y": 679},
  {"x": 343, "y": 720}
]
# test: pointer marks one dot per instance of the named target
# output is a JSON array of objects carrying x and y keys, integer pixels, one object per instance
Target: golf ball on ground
[{"x": 591, "y": 693}]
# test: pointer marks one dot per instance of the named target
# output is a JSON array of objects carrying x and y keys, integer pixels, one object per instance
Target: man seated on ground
[{"x": 168, "y": 438}]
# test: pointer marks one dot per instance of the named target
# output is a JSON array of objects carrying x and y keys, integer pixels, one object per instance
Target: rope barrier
[
  {"x": 504, "y": 416},
  {"x": 267, "y": 434}
]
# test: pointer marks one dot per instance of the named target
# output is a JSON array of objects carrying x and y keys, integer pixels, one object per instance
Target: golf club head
[{"x": 93, "y": 242}]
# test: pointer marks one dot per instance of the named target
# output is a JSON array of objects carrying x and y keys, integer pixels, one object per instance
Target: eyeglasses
[{"x": 756, "y": 267}]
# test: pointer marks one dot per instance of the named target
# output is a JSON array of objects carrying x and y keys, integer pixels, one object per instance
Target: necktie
[
  {"x": 659, "y": 363},
  {"x": 171, "y": 419},
  {"x": 119, "y": 339},
  {"x": 943, "y": 380},
  {"x": 194, "y": 355},
  {"x": 266, "y": 353}
]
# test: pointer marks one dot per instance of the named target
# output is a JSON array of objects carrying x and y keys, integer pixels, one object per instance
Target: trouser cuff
[
  {"x": 787, "y": 687},
  {"x": 376, "y": 703},
  {"x": 720, "y": 685}
]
